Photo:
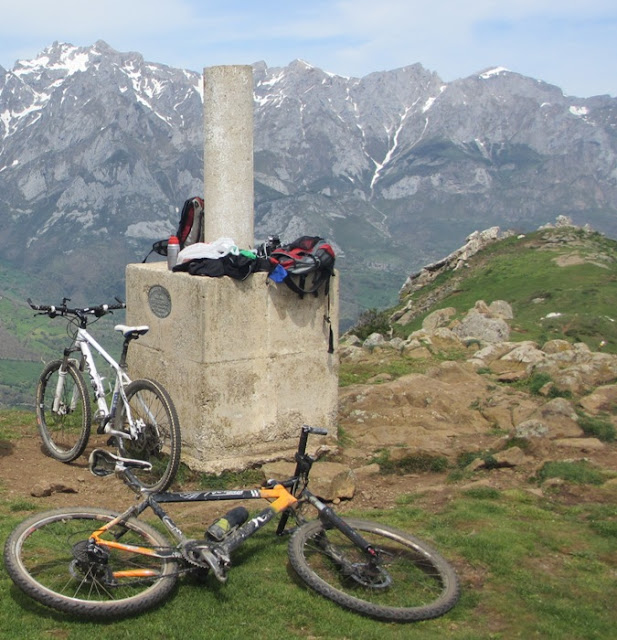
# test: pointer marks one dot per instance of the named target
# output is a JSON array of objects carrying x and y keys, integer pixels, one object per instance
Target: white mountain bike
[{"x": 140, "y": 418}]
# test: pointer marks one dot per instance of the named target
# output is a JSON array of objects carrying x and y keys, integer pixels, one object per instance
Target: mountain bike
[
  {"x": 97, "y": 563},
  {"x": 140, "y": 418}
]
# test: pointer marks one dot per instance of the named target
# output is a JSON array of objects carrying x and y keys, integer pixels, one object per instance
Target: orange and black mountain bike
[{"x": 96, "y": 563}]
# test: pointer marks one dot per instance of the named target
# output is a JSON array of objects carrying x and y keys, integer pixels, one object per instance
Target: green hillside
[
  {"x": 561, "y": 283},
  {"x": 28, "y": 340}
]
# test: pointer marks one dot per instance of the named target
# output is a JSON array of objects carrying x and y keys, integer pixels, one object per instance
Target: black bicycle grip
[
  {"x": 43, "y": 308},
  {"x": 320, "y": 431}
]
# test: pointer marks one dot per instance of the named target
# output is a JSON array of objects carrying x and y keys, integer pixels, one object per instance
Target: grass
[
  {"x": 392, "y": 363},
  {"x": 597, "y": 427},
  {"x": 13, "y": 422},
  {"x": 529, "y": 567},
  {"x": 577, "y": 472}
]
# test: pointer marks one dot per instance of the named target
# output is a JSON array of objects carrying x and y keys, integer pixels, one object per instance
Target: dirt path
[{"x": 40, "y": 482}]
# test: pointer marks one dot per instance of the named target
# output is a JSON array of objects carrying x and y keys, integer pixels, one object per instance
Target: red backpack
[
  {"x": 191, "y": 222},
  {"x": 309, "y": 262},
  {"x": 189, "y": 228}
]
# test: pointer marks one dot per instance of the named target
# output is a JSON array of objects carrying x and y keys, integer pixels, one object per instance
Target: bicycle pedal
[{"x": 219, "y": 565}]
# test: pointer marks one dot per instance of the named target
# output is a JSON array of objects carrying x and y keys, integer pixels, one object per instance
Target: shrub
[
  {"x": 372, "y": 321},
  {"x": 597, "y": 427},
  {"x": 413, "y": 463},
  {"x": 579, "y": 472}
]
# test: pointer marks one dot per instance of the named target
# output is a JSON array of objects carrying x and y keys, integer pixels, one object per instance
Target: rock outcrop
[{"x": 512, "y": 390}]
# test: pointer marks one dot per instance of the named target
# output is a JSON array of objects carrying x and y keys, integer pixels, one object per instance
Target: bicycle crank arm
[
  {"x": 118, "y": 434},
  {"x": 104, "y": 463}
]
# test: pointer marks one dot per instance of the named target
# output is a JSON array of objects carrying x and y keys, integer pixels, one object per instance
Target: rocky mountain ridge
[{"x": 98, "y": 149}]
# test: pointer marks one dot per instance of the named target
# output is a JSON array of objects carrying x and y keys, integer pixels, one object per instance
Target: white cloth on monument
[{"x": 214, "y": 250}]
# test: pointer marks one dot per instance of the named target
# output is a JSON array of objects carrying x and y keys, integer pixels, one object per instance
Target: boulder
[
  {"x": 531, "y": 429},
  {"x": 602, "y": 400},
  {"x": 501, "y": 309},
  {"x": 437, "y": 319},
  {"x": 476, "y": 325},
  {"x": 329, "y": 480},
  {"x": 374, "y": 340},
  {"x": 559, "y": 417},
  {"x": 581, "y": 444},
  {"x": 512, "y": 457}
]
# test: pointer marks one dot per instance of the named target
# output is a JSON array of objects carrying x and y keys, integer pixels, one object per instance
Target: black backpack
[{"x": 189, "y": 228}]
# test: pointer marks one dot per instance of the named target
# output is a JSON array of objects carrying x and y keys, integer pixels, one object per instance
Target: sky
[{"x": 568, "y": 43}]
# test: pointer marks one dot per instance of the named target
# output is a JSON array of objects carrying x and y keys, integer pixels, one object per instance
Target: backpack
[
  {"x": 191, "y": 222},
  {"x": 309, "y": 263},
  {"x": 189, "y": 228}
]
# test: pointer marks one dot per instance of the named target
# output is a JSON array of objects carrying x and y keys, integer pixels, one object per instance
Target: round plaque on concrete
[{"x": 159, "y": 301}]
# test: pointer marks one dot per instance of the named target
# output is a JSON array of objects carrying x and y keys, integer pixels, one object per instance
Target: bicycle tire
[
  {"x": 413, "y": 582},
  {"x": 159, "y": 441},
  {"x": 64, "y": 432},
  {"x": 41, "y": 558}
]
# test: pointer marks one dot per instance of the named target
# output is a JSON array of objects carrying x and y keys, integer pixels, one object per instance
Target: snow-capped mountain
[{"x": 99, "y": 149}]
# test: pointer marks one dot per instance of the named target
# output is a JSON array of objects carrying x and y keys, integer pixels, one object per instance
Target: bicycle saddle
[{"x": 128, "y": 331}]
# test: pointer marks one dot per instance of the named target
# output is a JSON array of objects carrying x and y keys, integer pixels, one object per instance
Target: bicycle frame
[
  {"x": 281, "y": 500},
  {"x": 105, "y": 413},
  {"x": 219, "y": 552},
  {"x": 83, "y": 341}
]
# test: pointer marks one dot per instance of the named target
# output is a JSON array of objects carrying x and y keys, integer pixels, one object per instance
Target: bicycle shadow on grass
[{"x": 27, "y": 605}]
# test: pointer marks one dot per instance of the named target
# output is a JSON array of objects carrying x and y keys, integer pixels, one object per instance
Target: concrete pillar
[
  {"x": 245, "y": 362},
  {"x": 228, "y": 154}
]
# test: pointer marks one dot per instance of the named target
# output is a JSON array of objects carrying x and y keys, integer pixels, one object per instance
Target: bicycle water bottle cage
[{"x": 103, "y": 463}]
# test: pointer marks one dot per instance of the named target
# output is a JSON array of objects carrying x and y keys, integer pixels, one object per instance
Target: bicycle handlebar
[{"x": 62, "y": 310}]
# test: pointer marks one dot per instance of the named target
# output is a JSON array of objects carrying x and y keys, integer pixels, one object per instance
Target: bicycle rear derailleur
[{"x": 90, "y": 563}]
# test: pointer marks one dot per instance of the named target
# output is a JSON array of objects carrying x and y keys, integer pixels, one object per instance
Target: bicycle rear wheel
[
  {"x": 48, "y": 559},
  {"x": 410, "y": 582},
  {"x": 65, "y": 427},
  {"x": 158, "y": 439}
]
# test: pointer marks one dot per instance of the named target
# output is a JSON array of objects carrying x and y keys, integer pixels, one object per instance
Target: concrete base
[{"x": 245, "y": 362}]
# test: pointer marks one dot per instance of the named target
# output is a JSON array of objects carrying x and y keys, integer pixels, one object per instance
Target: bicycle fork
[
  {"x": 57, "y": 404},
  {"x": 329, "y": 517}
]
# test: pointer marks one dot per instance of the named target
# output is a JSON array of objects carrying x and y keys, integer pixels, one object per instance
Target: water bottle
[
  {"x": 222, "y": 527},
  {"x": 173, "y": 249}
]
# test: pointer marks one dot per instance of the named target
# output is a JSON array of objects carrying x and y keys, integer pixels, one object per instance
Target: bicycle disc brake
[
  {"x": 370, "y": 575},
  {"x": 148, "y": 438}
]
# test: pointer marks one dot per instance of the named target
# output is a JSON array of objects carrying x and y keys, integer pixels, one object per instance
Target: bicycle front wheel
[
  {"x": 50, "y": 559},
  {"x": 64, "y": 421},
  {"x": 409, "y": 582},
  {"x": 157, "y": 438}
]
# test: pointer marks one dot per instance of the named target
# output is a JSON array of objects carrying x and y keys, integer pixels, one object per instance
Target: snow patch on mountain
[{"x": 495, "y": 71}]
